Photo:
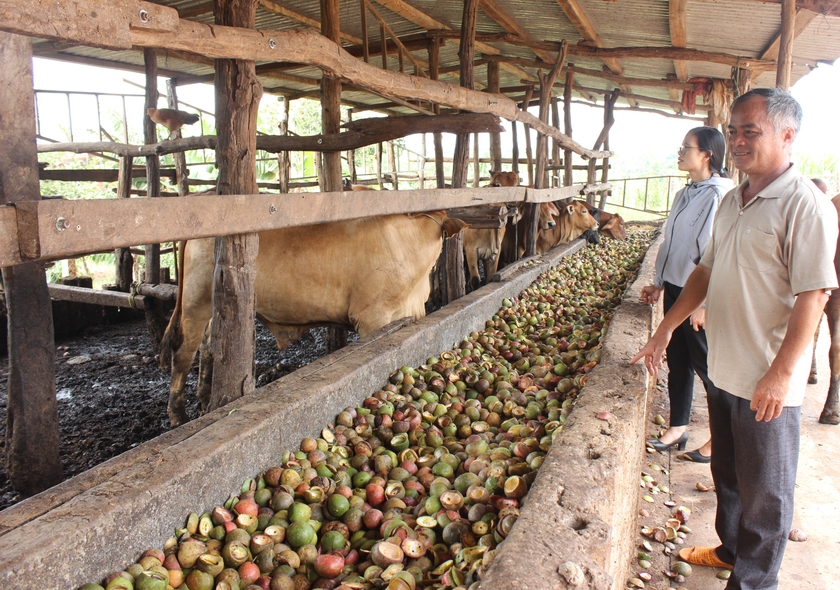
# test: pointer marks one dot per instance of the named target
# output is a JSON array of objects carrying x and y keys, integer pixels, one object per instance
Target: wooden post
[
  {"x": 493, "y": 85},
  {"x": 365, "y": 41},
  {"x": 555, "y": 147},
  {"x": 378, "y": 155},
  {"x": 32, "y": 459},
  {"x": 568, "y": 176},
  {"x": 181, "y": 171},
  {"x": 785, "y": 62},
  {"x": 514, "y": 156},
  {"x": 421, "y": 166},
  {"x": 125, "y": 262},
  {"x": 351, "y": 154},
  {"x": 383, "y": 42},
  {"x": 466, "y": 54},
  {"x": 529, "y": 154},
  {"x": 284, "y": 160},
  {"x": 238, "y": 93},
  {"x": 609, "y": 120},
  {"x": 546, "y": 84},
  {"x": 331, "y": 123},
  {"x": 434, "y": 68},
  {"x": 605, "y": 173},
  {"x": 476, "y": 166},
  {"x": 155, "y": 319},
  {"x": 392, "y": 165}
]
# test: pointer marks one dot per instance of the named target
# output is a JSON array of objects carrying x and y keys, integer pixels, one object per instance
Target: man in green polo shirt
[{"x": 766, "y": 277}]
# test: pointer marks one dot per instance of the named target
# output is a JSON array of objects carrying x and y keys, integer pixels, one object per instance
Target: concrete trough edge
[
  {"x": 580, "y": 516},
  {"x": 101, "y": 521}
]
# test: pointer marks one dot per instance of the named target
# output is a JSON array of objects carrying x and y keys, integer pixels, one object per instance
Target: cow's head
[
  {"x": 548, "y": 213},
  {"x": 615, "y": 228},
  {"x": 580, "y": 218},
  {"x": 504, "y": 178}
]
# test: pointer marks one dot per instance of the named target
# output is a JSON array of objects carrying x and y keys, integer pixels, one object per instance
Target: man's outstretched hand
[{"x": 652, "y": 351}]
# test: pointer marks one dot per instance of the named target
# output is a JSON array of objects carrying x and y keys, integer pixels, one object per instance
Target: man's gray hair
[{"x": 782, "y": 109}]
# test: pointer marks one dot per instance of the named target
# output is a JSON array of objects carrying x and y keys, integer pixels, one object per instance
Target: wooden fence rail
[{"x": 58, "y": 228}]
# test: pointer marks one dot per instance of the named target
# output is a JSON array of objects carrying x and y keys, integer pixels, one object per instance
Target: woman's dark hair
[{"x": 711, "y": 141}]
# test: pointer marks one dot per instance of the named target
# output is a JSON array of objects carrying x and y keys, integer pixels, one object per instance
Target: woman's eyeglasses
[{"x": 682, "y": 148}]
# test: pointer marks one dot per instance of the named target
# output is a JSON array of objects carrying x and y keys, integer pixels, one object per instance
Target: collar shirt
[
  {"x": 761, "y": 257},
  {"x": 689, "y": 229}
]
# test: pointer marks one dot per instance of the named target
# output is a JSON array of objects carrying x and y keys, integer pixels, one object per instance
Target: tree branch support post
[
  {"x": 568, "y": 176},
  {"x": 233, "y": 333},
  {"x": 125, "y": 261},
  {"x": 434, "y": 70},
  {"x": 609, "y": 120},
  {"x": 493, "y": 85},
  {"x": 156, "y": 320},
  {"x": 32, "y": 460},
  {"x": 284, "y": 160},
  {"x": 785, "y": 62}
]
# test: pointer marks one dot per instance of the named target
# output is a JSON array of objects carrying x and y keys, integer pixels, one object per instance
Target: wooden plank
[
  {"x": 32, "y": 460},
  {"x": 508, "y": 23},
  {"x": 97, "y": 174},
  {"x": 578, "y": 17},
  {"x": 96, "y": 296},
  {"x": 104, "y": 224},
  {"x": 9, "y": 251}
]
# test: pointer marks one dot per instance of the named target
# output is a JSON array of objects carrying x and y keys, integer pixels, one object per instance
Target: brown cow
[
  {"x": 612, "y": 225},
  {"x": 831, "y": 410},
  {"x": 360, "y": 274},
  {"x": 486, "y": 244},
  {"x": 574, "y": 219},
  {"x": 548, "y": 220}
]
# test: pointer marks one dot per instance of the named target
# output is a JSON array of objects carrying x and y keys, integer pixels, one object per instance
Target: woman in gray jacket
[{"x": 687, "y": 233}]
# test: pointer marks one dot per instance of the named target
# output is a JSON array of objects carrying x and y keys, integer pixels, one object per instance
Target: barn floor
[
  {"x": 810, "y": 565},
  {"x": 112, "y": 396}
]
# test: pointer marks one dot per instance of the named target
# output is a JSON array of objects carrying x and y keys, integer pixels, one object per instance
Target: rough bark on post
[
  {"x": 466, "y": 55},
  {"x": 125, "y": 262},
  {"x": 568, "y": 175},
  {"x": 514, "y": 156},
  {"x": 238, "y": 93},
  {"x": 475, "y": 162},
  {"x": 32, "y": 459},
  {"x": 421, "y": 168},
  {"x": 284, "y": 161},
  {"x": 546, "y": 84},
  {"x": 378, "y": 157},
  {"x": 493, "y": 85},
  {"x": 156, "y": 320},
  {"x": 331, "y": 123},
  {"x": 529, "y": 154},
  {"x": 609, "y": 120},
  {"x": 785, "y": 62},
  {"x": 434, "y": 67},
  {"x": 351, "y": 155}
]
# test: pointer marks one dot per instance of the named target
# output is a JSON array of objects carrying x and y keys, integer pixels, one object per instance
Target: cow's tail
[{"x": 173, "y": 337}]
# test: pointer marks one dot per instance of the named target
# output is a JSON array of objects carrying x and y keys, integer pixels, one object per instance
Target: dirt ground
[
  {"x": 112, "y": 396},
  {"x": 809, "y": 565}
]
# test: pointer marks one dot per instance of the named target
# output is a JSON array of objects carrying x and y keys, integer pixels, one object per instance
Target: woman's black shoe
[
  {"x": 680, "y": 443},
  {"x": 696, "y": 456}
]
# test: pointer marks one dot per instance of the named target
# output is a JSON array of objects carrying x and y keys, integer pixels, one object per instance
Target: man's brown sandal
[{"x": 703, "y": 555}]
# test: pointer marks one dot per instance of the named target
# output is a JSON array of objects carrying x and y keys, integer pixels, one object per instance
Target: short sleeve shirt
[{"x": 761, "y": 257}]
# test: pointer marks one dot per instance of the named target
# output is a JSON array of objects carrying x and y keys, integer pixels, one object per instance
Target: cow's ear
[
  {"x": 611, "y": 223},
  {"x": 570, "y": 209},
  {"x": 452, "y": 226}
]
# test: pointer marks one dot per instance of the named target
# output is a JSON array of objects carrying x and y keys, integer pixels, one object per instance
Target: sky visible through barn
[{"x": 643, "y": 143}]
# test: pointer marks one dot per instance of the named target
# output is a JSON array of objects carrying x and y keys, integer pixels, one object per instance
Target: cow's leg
[
  {"x": 472, "y": 265},
  {"x": 831, "y": 411},
  {"x": 192, "y": 327},
  {"x": 812, "y": 378},
  {"x": 205, "y": 371}
]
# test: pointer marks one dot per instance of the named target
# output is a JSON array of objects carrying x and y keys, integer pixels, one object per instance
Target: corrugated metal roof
[{"x": 738, "y": 27}]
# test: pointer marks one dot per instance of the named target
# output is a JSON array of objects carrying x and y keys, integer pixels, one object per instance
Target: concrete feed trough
[{"x": 581, "y": 508}]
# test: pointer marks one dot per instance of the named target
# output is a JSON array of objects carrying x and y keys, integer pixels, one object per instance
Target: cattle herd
[{"x": 359, "y": 274}]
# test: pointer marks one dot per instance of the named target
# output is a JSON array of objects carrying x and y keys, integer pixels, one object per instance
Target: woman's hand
[
  {"x": 698, "y": 319},
  {"x": 650, "y": 294}
]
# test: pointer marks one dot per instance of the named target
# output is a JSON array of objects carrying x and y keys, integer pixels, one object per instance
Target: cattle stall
[{"x": 35, "y": 231}]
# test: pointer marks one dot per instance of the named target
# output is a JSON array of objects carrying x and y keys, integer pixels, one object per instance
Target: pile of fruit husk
[{"x": 418, "y": 486}]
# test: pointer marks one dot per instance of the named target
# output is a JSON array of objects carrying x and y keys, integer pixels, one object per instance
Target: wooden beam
[
  {"x": 679, "y": 35},
  {"x": 508, "y": 23},
  {"x": 578, "y": 17},
  {"x": 546, "y": 84},
  {"x": 824, "y": 7},
  {"x": 106, "y": 224},
  {"x": 786, "y": 36},
  {"x": 96, "y": 296},
  {"x": 278, "y": 8},
  {"x": 402, "y": 48},
  {"x": 418, "y": 17},
  {"x": 493, "y": 85},
  {"x": 641, "y": 97},
  {"x": 32, "y": 460},
  {"x": 803, "y": 19},
  {"x": 667, "y": 52},
  {"x": 358, "y": 134},
  {"x": 220, "y": 42},
  {"x": 593, "y": 73}
]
